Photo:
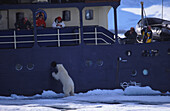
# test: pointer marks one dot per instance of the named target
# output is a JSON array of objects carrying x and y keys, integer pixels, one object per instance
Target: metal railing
[
  {"x": 58, "y": 38},
  {"x": 96, "y": 38},
  {"x": 15, "y": 42}
]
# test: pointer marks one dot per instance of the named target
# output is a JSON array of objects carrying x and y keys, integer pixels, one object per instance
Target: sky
[{"x": 129, "y": 12}]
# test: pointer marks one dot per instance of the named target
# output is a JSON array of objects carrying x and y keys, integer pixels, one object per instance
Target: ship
[{"x": 91, "y": 53}]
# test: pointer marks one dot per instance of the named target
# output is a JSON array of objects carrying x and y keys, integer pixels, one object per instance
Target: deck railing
[
  {"x": 57, "y": 38},
  {"x": 98, "y": 36},
  {"x": 12, "y": 41}
]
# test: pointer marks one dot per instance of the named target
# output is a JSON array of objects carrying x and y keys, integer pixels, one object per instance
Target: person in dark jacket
[
  {"x": 131, "y": 36},
  {"x": 23, "y": 24}
]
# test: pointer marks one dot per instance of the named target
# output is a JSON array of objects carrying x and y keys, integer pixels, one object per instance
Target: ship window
[
  {"x": 66, "y": 15},
  {"x": 89, "y": 14}
]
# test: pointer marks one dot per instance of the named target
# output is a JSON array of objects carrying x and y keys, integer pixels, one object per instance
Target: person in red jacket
[{"x": 40, "y": 22}]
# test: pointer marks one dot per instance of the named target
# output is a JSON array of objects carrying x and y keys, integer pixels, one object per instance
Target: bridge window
[
  {"x": 66, "y": 15},
  {"x": 89, "y": 14}
]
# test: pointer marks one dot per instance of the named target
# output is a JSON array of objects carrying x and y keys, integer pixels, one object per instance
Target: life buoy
[{"x": 41, "y": 12}]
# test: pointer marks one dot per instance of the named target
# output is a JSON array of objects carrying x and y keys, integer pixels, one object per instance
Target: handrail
[
  {"x": 15, "y": 36},
  {"x": 59, "y": 39},
  {"x": 17, "y": 42},
  {"x": 96, "y": 36},
  {"x": 97, "y": 39},
  {"x": 15, "y": 45},
  {"x": 8, "y": 36},
  {"x": 57, "y": 34},
  {"x": 100, "y": 33}
]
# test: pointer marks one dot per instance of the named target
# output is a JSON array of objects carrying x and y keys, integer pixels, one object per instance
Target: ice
[
  {"x": 93, "y": 100},
  {"x": 136, "y": 90}
]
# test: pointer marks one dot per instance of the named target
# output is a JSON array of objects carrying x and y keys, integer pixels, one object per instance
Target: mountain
[{"x": 129, "y": 12}]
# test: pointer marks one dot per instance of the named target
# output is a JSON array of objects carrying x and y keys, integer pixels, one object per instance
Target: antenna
[
  {"x": 162, "y": 10},
  {"x": 142, "y": 14}
]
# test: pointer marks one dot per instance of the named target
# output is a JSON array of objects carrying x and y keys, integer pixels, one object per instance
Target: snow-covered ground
[{"x": 133, "y": 98}]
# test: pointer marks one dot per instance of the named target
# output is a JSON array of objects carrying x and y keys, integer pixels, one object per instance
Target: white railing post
[
  {"x": 79, "y": 36},
  {"x": 15, "y": 44},
  {"x": 58, "y": 33},
  {"x": 95, "y": 36}
]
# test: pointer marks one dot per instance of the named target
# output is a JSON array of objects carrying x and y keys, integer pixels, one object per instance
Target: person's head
[
  {"x": 40, "y": 17},
  {"x": 25, "y": 19},
  {"x": 59, "y": 19},
  {"x": 149, "y": 27},
  {"x": 132, "y": 29}
]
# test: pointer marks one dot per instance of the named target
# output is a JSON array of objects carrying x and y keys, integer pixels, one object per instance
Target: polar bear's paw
[{"x": 53, "y": 74}]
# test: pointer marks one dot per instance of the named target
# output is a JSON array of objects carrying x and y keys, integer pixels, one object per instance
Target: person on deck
[
  {"x": 131, "y": 36},
  {"x": 40, "y": 22},
  {"x": 23, "y": 24},
  {"x": 147, "y": 34},
  {"x": 58, "y": 23}
]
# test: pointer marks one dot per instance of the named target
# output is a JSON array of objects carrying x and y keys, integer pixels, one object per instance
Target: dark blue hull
[{"x": 91, "y": 67}]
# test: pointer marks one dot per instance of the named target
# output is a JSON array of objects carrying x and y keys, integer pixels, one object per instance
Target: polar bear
[{"x": 62, "y": 75}]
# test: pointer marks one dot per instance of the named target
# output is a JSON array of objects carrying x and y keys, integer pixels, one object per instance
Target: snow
[
  {"x": 129, "y": 12},
  {"x": 136, "y": 90},
  {"x": 152, "y": 11},
  {"x": 94, "y": 100}
]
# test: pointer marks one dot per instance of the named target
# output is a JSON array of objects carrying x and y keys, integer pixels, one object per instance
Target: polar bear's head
[
  {"x": 53, "y": 64},
  {"x": 60, "y": 66}
]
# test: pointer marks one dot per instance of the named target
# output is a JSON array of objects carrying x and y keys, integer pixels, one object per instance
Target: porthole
[
  {"x": 100, "y": 63},
  {"x": 134, "y": 73},
  {"x": 89, "y": 63},
  {"x": 30, "y": 66},
  {"x": 128, "y": 53},
  {"x": 145, "y": 72},
  {"x": 18, "y": 67}
]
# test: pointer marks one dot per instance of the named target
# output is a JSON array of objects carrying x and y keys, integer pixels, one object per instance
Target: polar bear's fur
[{"x": 62, "y": 75}]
